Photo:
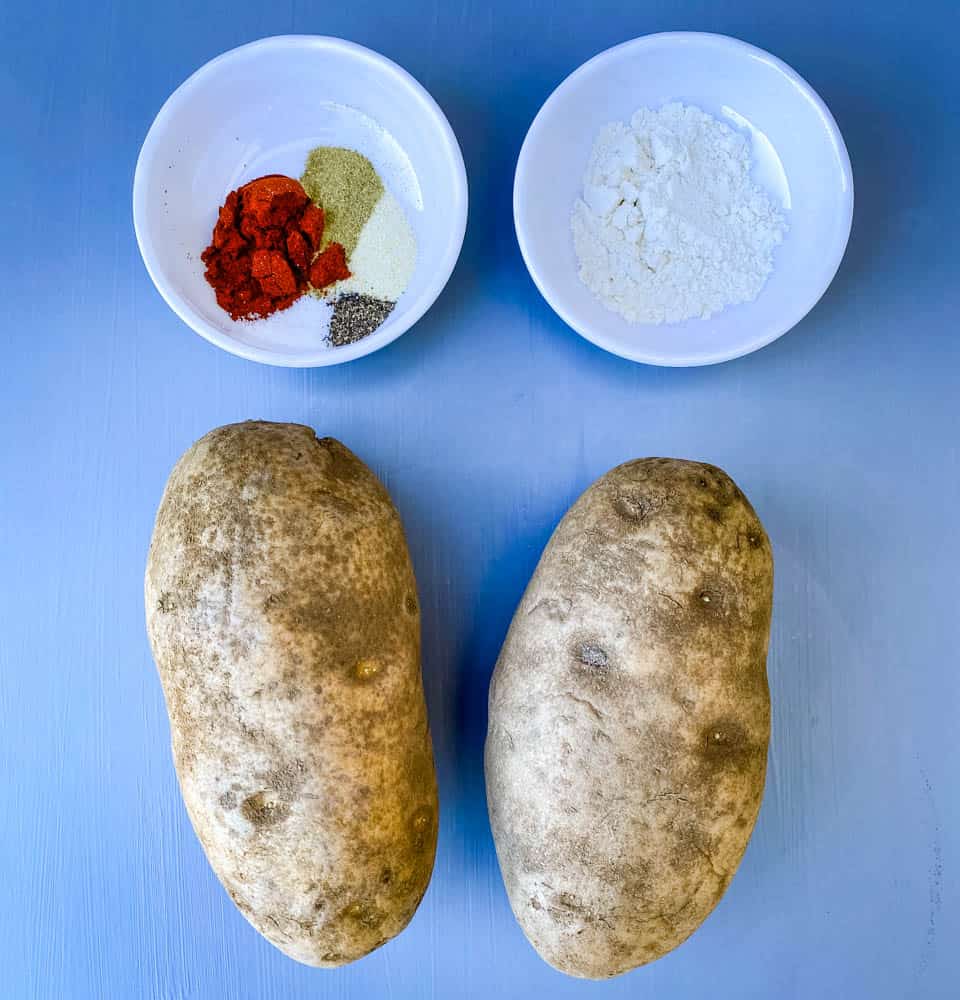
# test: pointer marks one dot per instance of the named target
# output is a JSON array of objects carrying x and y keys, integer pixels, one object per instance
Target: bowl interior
[
  {"x": 259, "y": 110},
  {"x": 799, "y": 158}
]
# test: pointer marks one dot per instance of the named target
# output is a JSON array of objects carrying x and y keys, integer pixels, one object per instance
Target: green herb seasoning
[
  {"x": 355, "y": 317},
  {"x": 346, "y": 186}
]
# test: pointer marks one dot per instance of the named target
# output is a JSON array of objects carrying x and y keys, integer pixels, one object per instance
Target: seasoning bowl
[
  {"x": 798, "y": 155},
  {"x": 259, "y": 109}
]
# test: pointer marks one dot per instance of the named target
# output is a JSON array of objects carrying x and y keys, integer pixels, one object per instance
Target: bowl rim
[
  {"x": 770, "y": 331},
  {"x": 316, "y": 358}
]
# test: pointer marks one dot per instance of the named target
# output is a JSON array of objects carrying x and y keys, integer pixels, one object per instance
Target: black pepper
[{"x": 355, "y": 317}]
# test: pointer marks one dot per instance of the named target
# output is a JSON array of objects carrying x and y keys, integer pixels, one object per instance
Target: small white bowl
[
  {"x": 259, "y": 109},
  {"x": 799, "y": 157}
]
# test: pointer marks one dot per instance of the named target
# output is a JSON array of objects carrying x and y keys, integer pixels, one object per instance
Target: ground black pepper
[{"x": 355, "y": 317}]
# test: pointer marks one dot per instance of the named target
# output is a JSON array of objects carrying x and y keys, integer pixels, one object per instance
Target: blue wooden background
[{"x": 485, "y": 421}]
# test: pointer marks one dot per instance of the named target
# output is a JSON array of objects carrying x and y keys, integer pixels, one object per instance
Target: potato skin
[
  {"x": 629, "y": 717},
  {"x": 283, "y": 616}
]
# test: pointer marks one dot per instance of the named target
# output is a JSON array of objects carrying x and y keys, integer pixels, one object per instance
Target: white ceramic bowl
[
  {"x": 799, "y": 158},
  {"x": 259, "y": 109}
]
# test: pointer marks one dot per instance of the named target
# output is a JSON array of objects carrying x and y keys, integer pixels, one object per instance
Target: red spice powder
[
  {"x": 264, "y": 244},
  {"x": 329, "y": 266}
]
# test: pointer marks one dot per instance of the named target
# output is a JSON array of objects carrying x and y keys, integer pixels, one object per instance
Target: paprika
[
  {"x": 329, "y": 266},
  {"x": 264, "y": 243}
]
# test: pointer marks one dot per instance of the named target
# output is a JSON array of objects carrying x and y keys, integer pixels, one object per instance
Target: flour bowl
[
  {"x": 799, "y": 158},
  {"x": 259, "y": 109}
]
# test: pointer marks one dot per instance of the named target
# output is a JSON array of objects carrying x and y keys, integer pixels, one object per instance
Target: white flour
[{"x": 670, "y": 225}]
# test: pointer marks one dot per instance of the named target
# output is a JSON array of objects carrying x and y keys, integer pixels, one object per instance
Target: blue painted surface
[{"x": 485, "y": 422}]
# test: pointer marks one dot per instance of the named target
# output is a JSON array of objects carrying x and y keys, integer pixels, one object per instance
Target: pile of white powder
[
  {"x": 385, "y": 255},
  {"x": 670, "y": 225}
]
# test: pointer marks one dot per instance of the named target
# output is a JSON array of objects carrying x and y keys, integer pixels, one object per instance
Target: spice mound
[
  {"x": 348, "y": 186},
  {"x": 337, "y": 233},
  {"x": 355, "y": 317},
  {"x": 264, "y": 252},
  {"x": 370, "y": 223},
  {"x": 671, "y": 225}
]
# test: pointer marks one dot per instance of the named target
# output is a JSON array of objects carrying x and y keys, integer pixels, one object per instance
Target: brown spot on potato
[
  {"x": 591, "y": 655},
  {"x": 228, "y": 801},
  {"x": 166, "y": 604},
  {"x": 410, "y": 604},
  {"x": 272, "y": 601},
  {"x": 635, "y": 507},
  {"x": 712, "y": 599},
  {"x": 724, "y": 743},
  {"x": 421, "y": 824},
  {"x": 262, "y": 810},
  {"x": 366, "y": 669},
  {"x": 363, "y": 914},
  {"x": 287, "y": 779}
]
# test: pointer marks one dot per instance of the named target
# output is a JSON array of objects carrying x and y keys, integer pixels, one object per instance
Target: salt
[{"x": 385, "y": 256}]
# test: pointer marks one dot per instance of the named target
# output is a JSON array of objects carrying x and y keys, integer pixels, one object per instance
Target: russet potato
[
  {"x": 283, "y": 615},
  {"x": 629, "y": 717}
]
